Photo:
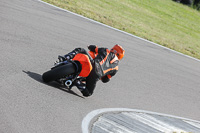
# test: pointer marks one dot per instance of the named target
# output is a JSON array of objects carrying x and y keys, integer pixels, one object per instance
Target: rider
[{"x": 104, "y": 62}]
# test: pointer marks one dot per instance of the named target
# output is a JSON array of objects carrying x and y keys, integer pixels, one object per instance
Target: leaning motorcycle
[{"x": 66, "y": 72}]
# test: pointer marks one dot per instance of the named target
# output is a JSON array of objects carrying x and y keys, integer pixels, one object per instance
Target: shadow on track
[{"x": 38, "y": 78}]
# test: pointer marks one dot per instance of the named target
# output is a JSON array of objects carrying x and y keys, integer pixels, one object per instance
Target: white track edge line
[
  {"x": 87, "y": 119},
  {"x": 119, "y": 30}
]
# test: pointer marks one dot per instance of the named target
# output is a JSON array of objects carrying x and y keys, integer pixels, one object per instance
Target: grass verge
[{"x": 161, "y": 21}]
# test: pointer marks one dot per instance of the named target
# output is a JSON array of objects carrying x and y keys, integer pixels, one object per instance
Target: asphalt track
[{"x": 32, "y": 34}]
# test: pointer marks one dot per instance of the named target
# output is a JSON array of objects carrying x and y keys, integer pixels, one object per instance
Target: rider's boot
[{"x": 82, "y": 87}]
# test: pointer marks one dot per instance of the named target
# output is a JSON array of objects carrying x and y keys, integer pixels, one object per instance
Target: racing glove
[{"x": 92, "y": 47}]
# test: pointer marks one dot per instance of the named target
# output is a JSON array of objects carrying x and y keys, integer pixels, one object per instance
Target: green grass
[{"x": 162, "y": 21}]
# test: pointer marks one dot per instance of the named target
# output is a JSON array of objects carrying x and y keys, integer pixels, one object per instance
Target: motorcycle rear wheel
[{"x": 58, "y": 72}]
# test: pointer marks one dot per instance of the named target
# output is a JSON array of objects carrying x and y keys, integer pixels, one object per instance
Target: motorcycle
[{"x": 66, "y": 72}]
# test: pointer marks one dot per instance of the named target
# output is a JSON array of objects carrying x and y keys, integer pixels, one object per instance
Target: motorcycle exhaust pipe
[{"x": 68, "y": 83}]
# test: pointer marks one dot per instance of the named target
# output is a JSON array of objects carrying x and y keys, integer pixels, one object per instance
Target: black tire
[{"x": 58, "y": 72}]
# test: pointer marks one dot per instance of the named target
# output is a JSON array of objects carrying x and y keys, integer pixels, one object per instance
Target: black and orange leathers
[{"x": 105, "y": 65}]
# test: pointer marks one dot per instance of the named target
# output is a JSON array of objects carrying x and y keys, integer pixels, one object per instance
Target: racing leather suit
[{"x": 105, "y": 65}]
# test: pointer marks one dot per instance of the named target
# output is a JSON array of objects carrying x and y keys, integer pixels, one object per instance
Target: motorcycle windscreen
[{"x": 85, "y": 62}]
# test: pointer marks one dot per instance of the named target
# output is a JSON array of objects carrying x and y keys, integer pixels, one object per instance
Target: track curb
[{"x": 92, "y": 117}]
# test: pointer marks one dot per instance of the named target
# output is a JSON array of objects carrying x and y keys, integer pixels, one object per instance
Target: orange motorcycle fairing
[
  {"x": 86, "y": 64},
  {"x": 92, "y": 54}
]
